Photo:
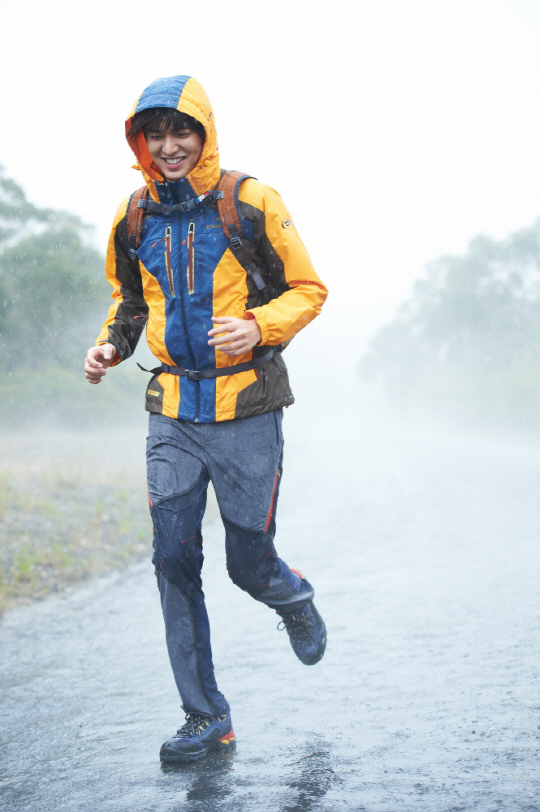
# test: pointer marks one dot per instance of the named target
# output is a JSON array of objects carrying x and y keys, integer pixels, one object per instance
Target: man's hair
[{"x": 163, "y": 119}]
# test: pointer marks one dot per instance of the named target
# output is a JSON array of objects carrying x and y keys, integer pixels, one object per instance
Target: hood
[{"x": 185, "y": 94}]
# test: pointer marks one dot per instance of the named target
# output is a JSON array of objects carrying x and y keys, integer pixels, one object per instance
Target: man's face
[{"x": 175, "y": 152}]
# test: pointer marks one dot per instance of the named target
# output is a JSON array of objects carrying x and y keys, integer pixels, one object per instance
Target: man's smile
[{"x": 175, "y": 167}]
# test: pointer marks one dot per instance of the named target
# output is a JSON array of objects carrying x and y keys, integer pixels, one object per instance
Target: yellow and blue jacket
[{"x": 185, "y": 273}]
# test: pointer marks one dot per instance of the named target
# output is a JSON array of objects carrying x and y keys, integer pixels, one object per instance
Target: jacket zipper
[
  {"x": 167, "y": 240},
  {"x": 191, "y": 259},
  {"x": 188, "y": 345},
  {"x": 168, "y": 258}
]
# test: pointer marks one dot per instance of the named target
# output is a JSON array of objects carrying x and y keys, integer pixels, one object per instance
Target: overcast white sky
[{"x": 395, "y": 130}]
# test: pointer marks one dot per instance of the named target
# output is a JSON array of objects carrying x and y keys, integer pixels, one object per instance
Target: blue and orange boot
[
  {"x": 198, "y": 737},
  {"x": 306, "y": 630}
]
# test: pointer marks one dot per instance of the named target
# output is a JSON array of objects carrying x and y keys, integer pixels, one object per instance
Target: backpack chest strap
[{"x": 187, "y": 205}]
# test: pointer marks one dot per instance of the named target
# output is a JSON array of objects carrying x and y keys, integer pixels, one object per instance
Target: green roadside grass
[
  {"x": 56, "y": 530},
  {"x": 73, "y": 505}
]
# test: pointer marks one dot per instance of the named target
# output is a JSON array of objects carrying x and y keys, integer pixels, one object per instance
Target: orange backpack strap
[
  {"x": 228, "y": 205},
  {"x": 233, "y": 222},
  {"x": 135, "y": 219}
]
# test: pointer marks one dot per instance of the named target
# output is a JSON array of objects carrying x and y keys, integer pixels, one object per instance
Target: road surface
[{"x": 424, "y": 551}]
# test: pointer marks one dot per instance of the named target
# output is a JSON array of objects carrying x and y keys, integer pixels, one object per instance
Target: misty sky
[{"x": 395, "y": 131}]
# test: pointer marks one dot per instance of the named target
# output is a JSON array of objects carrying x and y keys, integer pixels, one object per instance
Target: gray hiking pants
[{"x": 243, "y": 459}]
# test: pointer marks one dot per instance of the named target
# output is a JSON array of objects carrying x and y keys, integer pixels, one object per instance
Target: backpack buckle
[
  {"x": 193, "y": 375},
  {"x": 235, "y": 242}
]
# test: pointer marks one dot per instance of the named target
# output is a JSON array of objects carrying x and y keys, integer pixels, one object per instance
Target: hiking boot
[
  {"x": 197, "y": 737},
  {"x": 306, "y": 630}
]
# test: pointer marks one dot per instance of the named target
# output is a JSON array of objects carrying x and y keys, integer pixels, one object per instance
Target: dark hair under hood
[{"x": 163, "y": 119}]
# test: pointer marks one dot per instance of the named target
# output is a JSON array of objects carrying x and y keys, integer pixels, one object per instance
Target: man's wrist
[{"x": 249, "y": 316}]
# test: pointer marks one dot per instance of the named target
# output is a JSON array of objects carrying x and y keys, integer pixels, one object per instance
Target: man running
[{"x": 218, "y": 308}]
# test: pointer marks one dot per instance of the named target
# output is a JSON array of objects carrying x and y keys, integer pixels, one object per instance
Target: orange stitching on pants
[{"x": 272, "y": 502}]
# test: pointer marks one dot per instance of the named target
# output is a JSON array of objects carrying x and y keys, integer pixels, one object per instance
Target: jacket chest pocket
[
  {"x": 203, "y": 246},
  {"x": 164, "y": 243}
]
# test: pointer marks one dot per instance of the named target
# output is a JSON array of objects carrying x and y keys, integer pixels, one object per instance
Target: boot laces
[
  {"x": 299, "y": 625},
  {"x": 195, "y": 724}
]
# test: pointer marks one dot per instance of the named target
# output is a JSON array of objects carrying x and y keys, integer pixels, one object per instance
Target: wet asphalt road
[{"x": 425, "y": 556}]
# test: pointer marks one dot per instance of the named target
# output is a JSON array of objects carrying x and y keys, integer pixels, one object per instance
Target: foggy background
[
  {"x": 413, "y": 123},
  {"x": 396, "y": 132},
  {"x": 403, "y": 137}
]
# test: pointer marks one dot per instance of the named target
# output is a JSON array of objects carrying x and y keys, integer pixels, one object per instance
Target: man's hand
[
  {"x": 97, "y": 360},
  {"x": 235, "y": 336}
]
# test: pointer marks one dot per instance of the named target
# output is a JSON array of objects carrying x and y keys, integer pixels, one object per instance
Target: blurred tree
[
  {"x": 51, "y": 284},
  {"x": 467, "y": 341},
  {"x": 53, "y": 298},
  {"x": 15, "y": 210}
]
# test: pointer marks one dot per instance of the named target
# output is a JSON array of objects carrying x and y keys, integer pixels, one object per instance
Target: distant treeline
[
  {"x": 466, "y": 344},
  {"x": 53, "y": 298}
]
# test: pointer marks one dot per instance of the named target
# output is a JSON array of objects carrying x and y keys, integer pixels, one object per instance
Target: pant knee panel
[
  {"x": 178, "y": 540},
  {"x": 255, "y": 567}
]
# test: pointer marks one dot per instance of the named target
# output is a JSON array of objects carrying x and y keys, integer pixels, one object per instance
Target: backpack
[{"x": 226, "y": 193}]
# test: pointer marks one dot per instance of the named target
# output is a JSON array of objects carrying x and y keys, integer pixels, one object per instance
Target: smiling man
[
  {"x": 175, "y": 143},
  {"x": 220, "y": 301}
]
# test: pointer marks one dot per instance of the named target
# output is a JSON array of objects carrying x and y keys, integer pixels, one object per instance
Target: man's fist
[{"x": 97, "y": 360}]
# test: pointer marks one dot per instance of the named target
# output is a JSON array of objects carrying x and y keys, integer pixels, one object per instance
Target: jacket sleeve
[
  {"x": 285, "y": 254},
  {"x": 129, "y": 312}
]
